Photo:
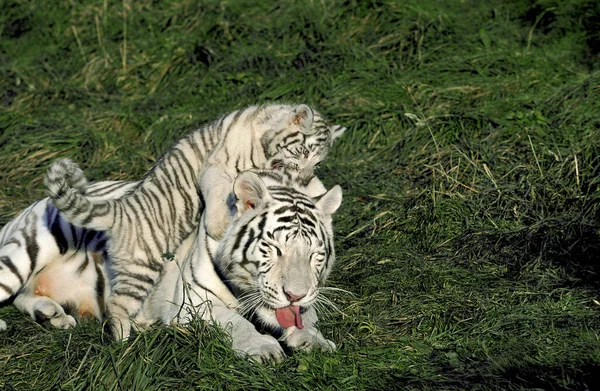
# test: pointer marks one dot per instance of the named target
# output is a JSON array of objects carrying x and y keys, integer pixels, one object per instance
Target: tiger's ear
[
  {"x": 336, "y": 132},
  {"x": 249, "y": 191},
  {"x": 303, "y": 116},
  {"x": 329, "y": 202}
]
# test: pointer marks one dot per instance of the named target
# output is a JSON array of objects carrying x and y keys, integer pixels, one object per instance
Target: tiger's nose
[{"x": 292, "y": 297}]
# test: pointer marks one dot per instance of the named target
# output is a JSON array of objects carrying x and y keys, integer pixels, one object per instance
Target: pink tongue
[{"x": 289, "y": 316}]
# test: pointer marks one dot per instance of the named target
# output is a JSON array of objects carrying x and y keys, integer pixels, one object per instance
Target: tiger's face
[
  {"x": 278, "y": 250},
  {"x": 302, "y": 141}
]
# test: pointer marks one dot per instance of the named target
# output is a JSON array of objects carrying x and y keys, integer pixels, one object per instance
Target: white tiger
[
  {"x": 266, "y": 272},
  {"x": 268, "y": 269},
  {"x": 196, "y": 174}
]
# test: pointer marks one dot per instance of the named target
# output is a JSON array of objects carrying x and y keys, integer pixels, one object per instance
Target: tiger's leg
[
  {"x": 309, "y": 337},
  {"x": 119, "y": 320},
  {"x": 178, "y": 301},
  {"x": 42, "y": 308},
  {"x": 216, "y": 185},
  {"x": 246, "y": 340},
  {"x": 133, "y": 284}
]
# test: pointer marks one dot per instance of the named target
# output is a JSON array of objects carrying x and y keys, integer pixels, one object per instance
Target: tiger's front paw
[
  {"x": 120, "y": 327},
  {"x": 261, "y": 348},
  {"x": 217, "y": 219},
  {"x": 307, "y": 340},
  {"x": 47, "y": 310}
]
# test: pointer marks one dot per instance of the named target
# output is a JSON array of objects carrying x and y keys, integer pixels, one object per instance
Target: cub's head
[
  {"x": 278, "y": 250},
  {"x": 299, "y": 140}
]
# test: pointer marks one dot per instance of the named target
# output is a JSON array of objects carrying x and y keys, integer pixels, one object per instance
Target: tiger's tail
[{"x": 65, "y": 183}]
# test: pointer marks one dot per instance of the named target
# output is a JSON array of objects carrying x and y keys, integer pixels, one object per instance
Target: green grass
[{"x": 469, "y": 229}]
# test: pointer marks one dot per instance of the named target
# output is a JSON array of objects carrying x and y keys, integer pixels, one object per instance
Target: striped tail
[{"x": 65, "y": 183}]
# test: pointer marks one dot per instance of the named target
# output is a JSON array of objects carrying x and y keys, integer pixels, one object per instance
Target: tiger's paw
[
  {"x": 307, "y": 340},
  {"x": 261, "y": 348},
  {"x": 217, "y": 219},
  {"x": 47, "y": 310},
  {"x": 120, "y": 327}
]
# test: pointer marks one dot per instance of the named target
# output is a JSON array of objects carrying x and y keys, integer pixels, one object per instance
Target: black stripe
[
  {"x": 238, "y": 239},
  {"x": 136, "y": 276},
  {"x": 31, "y": 245},
  {"x": 83, "y": 265},
  {"x": 192, "y": 142},
  {"x": 58, "y": 234},
  {"x": 247, "y": 245},
  {"x": 286, "y": 219},
  {"x": 107, "y": 189},
  {"x": 238, "y": 168},
  {"x": 11, "y": 266},
  {"x": 149, "y": 222},
  {"x": 205, "y": 145},
  {"x": 127, "y": 293},
  {"x": 306, "y": 221},
  {"x": 261, "y": 224},
  {"x": 169, "y": 201},
  {"x": 234, "y": 121},
  {"x": 6, "y": 288},
  {"x": 100, "y": 285}
]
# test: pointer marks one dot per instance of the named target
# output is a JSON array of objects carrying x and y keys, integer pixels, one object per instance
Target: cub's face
[
  {"x": 278, "y": 250},
  {"x": 303, "y": 141}
]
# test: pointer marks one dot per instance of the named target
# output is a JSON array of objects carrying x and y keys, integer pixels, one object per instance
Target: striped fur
[
  {"x": 276, "y": 255},
  {"x": 279, "y": 240},
  {"x": 53, "y": 270},
  {"x": 196, "y": 174}
]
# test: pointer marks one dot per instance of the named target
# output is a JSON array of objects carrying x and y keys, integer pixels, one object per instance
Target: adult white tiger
[
  {"x": 196, "y": 174},
  {"x": 268, "y": 269}
]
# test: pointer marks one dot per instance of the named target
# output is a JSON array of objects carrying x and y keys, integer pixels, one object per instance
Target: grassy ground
[{"x": 469, "y": 228}]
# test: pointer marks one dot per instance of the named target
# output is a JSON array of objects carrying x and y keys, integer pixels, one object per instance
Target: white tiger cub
[
  {"x": 48, "y": 265},
  {"x": 196, "y": 174},
  {"x": 266, "y": 272}
]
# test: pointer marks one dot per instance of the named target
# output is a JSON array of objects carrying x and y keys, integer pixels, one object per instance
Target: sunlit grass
[{"x": 468, "y": 235}]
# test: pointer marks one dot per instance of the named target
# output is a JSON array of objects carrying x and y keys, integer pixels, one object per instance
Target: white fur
[{"x": 177, "y": 298}]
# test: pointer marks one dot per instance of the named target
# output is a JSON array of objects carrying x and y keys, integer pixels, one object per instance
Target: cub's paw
[
  {"x": 47, "y": 310},
  {"x": 217, "y": 220},
  {"x": 119, "y": 327},
  {"x": 2, "y": 325},
  {"x": 262, "y": 349},
  {"x": 308, "y": 340}
]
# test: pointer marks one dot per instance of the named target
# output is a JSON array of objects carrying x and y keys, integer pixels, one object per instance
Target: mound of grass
[{"x": 469, "y": 229}]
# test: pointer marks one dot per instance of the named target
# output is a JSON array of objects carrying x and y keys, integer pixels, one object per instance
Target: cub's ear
[
  {"x": 336, "y": 132},
  {"x": 249, "y": 191},
  {"x": 303, "y": 116},
  {"x": 329, "y": 202}
]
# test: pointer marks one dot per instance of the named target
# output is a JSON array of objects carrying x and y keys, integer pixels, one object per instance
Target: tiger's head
[
  {"x": 299, "y": 140},
  {"x": 278, "y": 250}
]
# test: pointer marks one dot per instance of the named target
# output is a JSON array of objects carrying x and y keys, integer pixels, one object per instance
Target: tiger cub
[
  {"x": 265, "y": 274},
  {"x": 195, "y": 174}
]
